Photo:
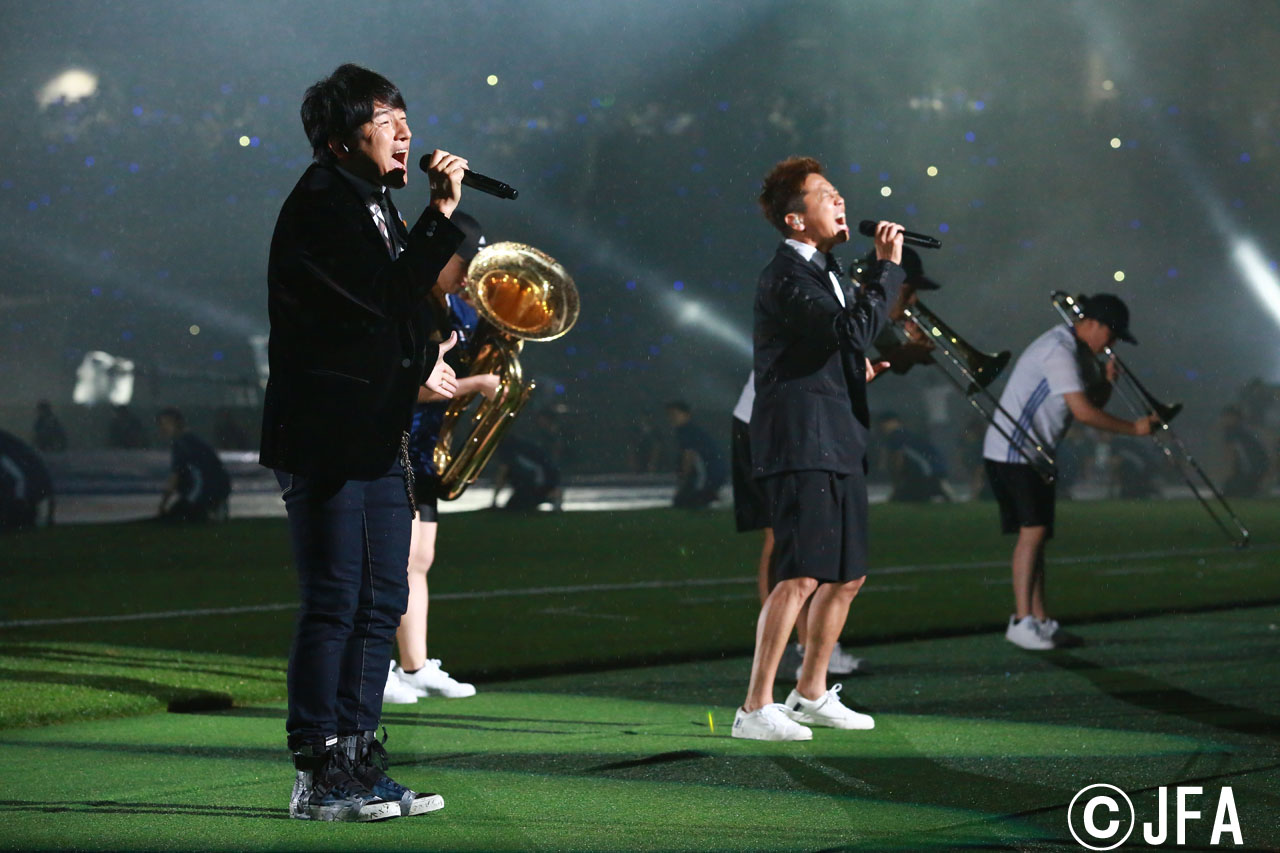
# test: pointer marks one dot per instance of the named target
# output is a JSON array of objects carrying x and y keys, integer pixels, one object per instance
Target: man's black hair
[{"x": 334, "y": 107}]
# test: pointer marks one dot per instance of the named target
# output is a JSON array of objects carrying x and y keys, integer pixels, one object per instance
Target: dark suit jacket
[
  {"x": 348, "y": 348},
  {"x": 810, "y": 411}
]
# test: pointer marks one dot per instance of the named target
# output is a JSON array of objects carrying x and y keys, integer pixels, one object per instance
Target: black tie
[
  {"x": 834, "y": 265},
  {"x": 393, "y": 224}
]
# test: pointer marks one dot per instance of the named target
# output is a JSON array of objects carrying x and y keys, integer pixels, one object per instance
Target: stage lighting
[
  {"x": 72, "y": 85},
  {"x": 103, "y": 378},
  {"x": 1259, "y": 275}
]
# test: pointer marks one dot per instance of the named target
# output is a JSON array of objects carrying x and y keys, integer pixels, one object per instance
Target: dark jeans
[{"x": 351, "y": 549}]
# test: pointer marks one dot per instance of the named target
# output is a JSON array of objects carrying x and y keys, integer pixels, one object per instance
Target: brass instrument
[
  {"x": 977, "y": 370},
  {"x": 521, "y": 294},
  {"x": 1143, "y": 402},
  {"x": 980, "y": 368}
]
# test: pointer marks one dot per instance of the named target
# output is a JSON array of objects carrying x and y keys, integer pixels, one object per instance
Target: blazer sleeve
[{"x": 810, "y": 310}]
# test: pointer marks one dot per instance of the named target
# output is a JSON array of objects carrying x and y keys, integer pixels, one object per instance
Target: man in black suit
[
  {"x": 348, "y": 353},
  {"x": 809, "y": 427}
]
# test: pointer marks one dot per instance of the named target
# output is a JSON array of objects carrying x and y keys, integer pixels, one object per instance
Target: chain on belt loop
[{"x": 407, "y": 468}]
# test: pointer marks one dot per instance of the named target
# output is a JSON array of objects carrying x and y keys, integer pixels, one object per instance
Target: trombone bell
[{"x": 980, "y": 367}]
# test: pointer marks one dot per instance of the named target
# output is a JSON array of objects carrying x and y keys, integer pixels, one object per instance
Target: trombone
[
  {"x": 1142, "y": 402},
  {"x": 979, "y": 370}
]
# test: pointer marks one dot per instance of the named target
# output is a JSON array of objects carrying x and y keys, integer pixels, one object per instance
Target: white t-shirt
[
  {"x": 742, "y": 411},
  {"x": 1034, "y": 395}
]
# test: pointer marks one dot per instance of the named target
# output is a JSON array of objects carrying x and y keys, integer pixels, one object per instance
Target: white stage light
[
  {"x": 1259, "y": 275},
  {"x": 103, "y": 378},
  {"x": 74, "y": 84}
]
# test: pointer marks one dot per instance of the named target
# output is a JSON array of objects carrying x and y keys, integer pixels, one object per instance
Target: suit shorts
[{"x": 819, "y": 521}]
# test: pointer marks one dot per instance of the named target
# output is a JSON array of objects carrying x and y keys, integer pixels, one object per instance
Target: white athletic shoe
[
  {"x": 827, "y": 711},
  {"x": 431, "y": 680},
  {"x": 768, "y": 723},
  {"x": 841, "y": 662},
  {"x": 1061, "y": 637},
  {"x": 1028, "y": 633},
  {"x": 397, "y": 692}
]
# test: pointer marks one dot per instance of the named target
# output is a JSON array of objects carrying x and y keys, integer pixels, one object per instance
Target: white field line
[{"x": 618, "y": 587}]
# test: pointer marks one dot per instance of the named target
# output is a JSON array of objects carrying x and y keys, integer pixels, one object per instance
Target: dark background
[{"x": 637, "y": 133}]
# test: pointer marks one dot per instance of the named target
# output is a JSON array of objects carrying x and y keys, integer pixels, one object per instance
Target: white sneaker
[
  {"x": 431, "y": 680},
  {"x": 1027, "y": 633},
  {"x": 827, "y": 711},
  {"x": 1059, "y": 636},
  {"x": 397, "y": 692},
  {"x": 841, "y": 662},
  {"x": 768, "y": 723}
]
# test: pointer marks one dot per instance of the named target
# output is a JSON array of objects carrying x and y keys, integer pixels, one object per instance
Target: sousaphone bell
[{"x": 521, "y": 294}]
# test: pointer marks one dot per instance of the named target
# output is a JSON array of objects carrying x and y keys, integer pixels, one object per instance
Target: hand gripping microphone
[
  {"x": 477, "y": 181},
  {"x": 867, "y": 228}
]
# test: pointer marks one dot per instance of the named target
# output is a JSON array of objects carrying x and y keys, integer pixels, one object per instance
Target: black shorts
[
  {"x": 750, "y": 509},
  {"x": 1025, "y": 499},
  {"x": 425, "y": 490},
  {"x": 819, "y": 521}
]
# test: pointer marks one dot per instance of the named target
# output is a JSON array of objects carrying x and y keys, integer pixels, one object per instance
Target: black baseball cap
[
  {"x": 1110, "y": 311},
  {"x": 911, "y": 264},
  {"x": 472, "y": 235}
]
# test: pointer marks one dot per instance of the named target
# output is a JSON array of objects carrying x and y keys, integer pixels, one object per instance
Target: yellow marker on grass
[{"x": 711, "y": 722}]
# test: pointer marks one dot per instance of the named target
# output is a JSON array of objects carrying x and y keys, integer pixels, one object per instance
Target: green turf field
[{"x": 977, "y": 745}]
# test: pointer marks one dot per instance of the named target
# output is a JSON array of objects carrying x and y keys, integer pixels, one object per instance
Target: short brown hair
[{"x": 783, "y": 189}]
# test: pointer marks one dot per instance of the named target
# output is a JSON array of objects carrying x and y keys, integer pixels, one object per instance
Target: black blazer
[
  {"x": 348, "y": 348},
  {"x": 810, "y": 411}
]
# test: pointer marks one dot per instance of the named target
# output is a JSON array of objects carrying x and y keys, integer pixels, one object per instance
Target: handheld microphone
[
  {"x": 477, "y": 181},
  {"x": 867, "y": 228}
]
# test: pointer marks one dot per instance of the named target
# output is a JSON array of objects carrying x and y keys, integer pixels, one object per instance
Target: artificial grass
[
  {"x": 937, "y": 569},
  {"x": 978, "y": 745}
]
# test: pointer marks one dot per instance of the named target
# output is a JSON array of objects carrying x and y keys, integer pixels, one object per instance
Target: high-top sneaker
[
  {"x": 369, "y": 764},
  {"x": 326, "y": 789}
]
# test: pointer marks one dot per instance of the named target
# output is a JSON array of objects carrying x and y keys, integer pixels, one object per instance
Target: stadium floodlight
[
  {"x": 1258, "y": 274},
  {"x": 68, "y": 87},
  {"x": 103, "y": 378}
]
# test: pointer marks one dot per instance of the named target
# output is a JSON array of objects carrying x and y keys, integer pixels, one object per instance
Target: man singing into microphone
[
  {"x": 348, "y": 353},
  {"x": 809, "y": 427}
]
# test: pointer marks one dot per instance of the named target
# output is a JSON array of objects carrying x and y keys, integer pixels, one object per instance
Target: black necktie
[
  {"x": 834, "y": 265},
  {"x": 393, "y": 225}
]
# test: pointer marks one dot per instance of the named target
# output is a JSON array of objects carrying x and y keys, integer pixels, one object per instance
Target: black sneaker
[
  {"x": 326, "y": 789},
  {"x": 369, "y": 765}
]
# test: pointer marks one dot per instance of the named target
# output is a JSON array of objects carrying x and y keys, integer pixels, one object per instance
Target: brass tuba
[{"x": 521, "y": 294}]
